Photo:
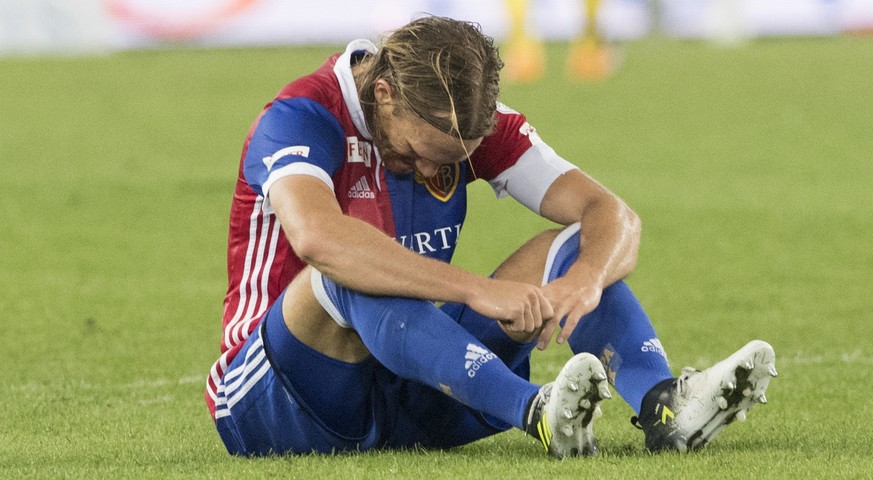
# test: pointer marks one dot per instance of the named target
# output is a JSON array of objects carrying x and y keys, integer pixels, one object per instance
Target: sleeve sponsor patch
[{"x": 296, "y": 150}]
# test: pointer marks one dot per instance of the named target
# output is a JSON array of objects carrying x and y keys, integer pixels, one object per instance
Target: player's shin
[{"x": 618, "y": 331}]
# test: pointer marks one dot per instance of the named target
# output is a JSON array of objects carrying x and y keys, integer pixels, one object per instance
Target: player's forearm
[
  {"x": 610, "y": 238},
  {"x": 358, "y": 256},
  {"x": 610, "y": 233}
]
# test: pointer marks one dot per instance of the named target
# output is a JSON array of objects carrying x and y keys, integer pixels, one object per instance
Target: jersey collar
[{"x": 343, "y": 71}]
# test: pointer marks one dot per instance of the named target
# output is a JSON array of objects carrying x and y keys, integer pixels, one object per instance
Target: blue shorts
[{"x": 259, "y": 411}]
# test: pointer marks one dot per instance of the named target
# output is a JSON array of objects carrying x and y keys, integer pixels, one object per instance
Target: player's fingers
[
  {"x": 546, "y": 334},
  {"x": 517, "y": 320},
  {"x": 546, "y": 308},
  {"x": 531, "y": 311},
  {"x": 569, "y": 325},
  {"x": 516, "y": 324},
  {"x": 539, "y": 305},
  {"x": 549, "y": 327}
]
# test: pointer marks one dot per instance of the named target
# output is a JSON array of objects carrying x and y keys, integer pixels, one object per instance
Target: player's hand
[
  {"x": 519, "y": 307},
  {"x": 571, "y": 299}
]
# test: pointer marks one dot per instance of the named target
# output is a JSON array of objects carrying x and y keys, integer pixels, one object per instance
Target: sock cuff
[
  {"x": 325, "y": 299},
  {"x": 560, "y": 251}
]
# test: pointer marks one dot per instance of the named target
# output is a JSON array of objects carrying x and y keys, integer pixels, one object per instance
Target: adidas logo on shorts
[{"x": 476, "y": 357}]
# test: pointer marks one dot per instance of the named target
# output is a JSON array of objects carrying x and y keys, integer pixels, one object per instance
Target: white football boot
[
  {"x": 562, "y": 413},
  {"x": 690, "y": 411}
]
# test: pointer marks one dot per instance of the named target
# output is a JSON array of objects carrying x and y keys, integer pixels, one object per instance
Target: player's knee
[
  {"x": 528, "y": 262},
  {"x": 308, "y": 321}
]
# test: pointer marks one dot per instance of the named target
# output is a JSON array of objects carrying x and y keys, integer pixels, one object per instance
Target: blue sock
[
  {"x": 417, "y": 341},
  {"x": 618, "y": 330},
  {"x": 515, "y": 355}
]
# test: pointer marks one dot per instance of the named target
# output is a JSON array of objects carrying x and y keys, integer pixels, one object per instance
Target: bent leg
[
  {"x": 300, "y": 384},
  {"x": 262, "y": 411},
  {"x": 618, "y": 331},
  {"x": 417, "y": 341}
]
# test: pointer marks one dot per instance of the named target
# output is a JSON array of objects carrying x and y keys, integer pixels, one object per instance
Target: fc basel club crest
[{"x": 443, "y": 184}]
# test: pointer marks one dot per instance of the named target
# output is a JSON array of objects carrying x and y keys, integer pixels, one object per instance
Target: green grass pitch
[{"x": 751, "y": 168}]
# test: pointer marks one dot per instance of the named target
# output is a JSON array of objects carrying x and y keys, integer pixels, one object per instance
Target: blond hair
[{"x": 444, "y": 71}]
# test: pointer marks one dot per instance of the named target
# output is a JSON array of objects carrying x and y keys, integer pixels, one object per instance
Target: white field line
[
  {"x": 85, "y": 385},
  {"x": 855, "y": 357},
  {"x": 162, "y": 399}
]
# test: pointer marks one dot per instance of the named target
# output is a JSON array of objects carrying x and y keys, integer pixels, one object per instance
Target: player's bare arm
[
  {"x": 610, "y": 237},
  {"x": 342, "y": 247}
]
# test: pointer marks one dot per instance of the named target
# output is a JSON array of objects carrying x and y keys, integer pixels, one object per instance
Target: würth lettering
[{"x": 428, "y": 242}]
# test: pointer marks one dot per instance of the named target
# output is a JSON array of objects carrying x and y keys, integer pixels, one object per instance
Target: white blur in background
[{"x": 88, "y": 27}]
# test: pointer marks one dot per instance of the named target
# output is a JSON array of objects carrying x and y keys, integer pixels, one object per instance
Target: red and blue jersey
[{"x": 315, "y": 126}]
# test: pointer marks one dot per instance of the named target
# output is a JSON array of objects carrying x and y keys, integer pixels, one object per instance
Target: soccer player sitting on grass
[{"x": 348, "y": 206}]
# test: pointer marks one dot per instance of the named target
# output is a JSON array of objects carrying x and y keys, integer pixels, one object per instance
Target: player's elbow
[
  {"x": 311, "y": 244},
  {"x": 634, "y": 225},
  {"x": 633, "y": 233},
  {"x": 306, "y": 249}
]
